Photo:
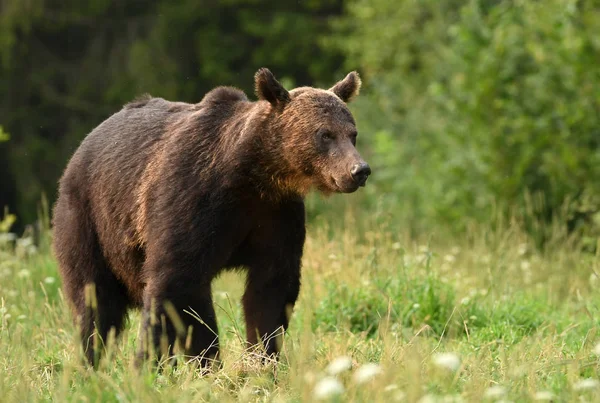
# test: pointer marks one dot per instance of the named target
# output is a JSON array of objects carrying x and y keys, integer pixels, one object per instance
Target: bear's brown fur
[{"x": 162, "y": 196}]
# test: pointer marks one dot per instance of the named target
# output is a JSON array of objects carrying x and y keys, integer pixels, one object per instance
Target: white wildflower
[
  {"x": 339, "y": 365},
  {"x": 543, "y": 395},
  {"x": 7, "y": 237},
  {"x": 586, "y": 384},
  {"x": 327, "y": 388},
  {"x": 396, "y": 246},
  {"x": 367, "y": 372},
  {"x": 24, "y": 273},
  {"x": 416, "y": 306},
  {"x": 448, "y": 361},
  {"x": 596, "y": 349},
  {"x": 429, "y": 398},
  {"x": 495, "y": 392},
  {"x": 399, "y": 396},
  {"x": 49, "y": 280},
  {"x": 25, "y": 242}
]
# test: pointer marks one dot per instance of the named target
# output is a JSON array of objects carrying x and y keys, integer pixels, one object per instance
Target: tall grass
[{"x": 486, "y": 316}]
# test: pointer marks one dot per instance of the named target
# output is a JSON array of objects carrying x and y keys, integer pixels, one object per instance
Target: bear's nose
[{"x": 360, "y": 173}]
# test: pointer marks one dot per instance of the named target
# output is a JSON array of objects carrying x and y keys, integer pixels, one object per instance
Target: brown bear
[{"x": 162, "y": 196}]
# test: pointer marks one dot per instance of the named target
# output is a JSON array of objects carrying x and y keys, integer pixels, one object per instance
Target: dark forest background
[{"x": 470, "y": 110}]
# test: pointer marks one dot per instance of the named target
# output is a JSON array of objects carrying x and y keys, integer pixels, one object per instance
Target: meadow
[
  {"x": 382, "y": 316},
  {"x": 466, "y": 270}
]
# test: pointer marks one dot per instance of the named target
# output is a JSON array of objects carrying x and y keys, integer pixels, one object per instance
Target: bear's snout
[{"x": 360, "y": 172}]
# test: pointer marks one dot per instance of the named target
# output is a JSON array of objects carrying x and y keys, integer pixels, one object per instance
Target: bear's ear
[
  {"x": 348, "y": 88},
  {"x": 269, "y": 89}
]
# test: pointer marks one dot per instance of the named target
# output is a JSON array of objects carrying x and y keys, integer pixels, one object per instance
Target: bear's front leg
[
  {"x": 268, "y": 303},
  {"x": 273, "y": 280}
]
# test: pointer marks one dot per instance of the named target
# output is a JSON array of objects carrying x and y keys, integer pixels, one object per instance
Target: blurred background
[{"x": 470, "y": 112}]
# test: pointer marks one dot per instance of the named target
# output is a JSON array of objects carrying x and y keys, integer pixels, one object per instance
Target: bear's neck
[{"x": 262, "y": 149}]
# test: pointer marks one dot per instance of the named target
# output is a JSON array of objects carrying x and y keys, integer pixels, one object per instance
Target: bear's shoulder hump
[
  {"x": 138, "y": 102},
  {"x": 225, "y": 95}
]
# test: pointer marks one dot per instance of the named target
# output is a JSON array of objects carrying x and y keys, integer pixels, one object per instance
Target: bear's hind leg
[
  {"x": 179, "y": 313},
  {"x": 105, "y": 308},
  {"x": 99, "y": 300}
]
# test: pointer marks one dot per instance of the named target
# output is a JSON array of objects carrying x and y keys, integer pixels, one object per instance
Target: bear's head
[{"x": 314, "y": 134}]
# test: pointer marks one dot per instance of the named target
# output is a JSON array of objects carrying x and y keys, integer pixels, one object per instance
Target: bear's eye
[
  {"x": 326, "y": 136},
  {"x": 353, "y": 138}
]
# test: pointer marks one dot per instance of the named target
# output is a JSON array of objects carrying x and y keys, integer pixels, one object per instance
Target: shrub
[{"x": 474, "y": 105}]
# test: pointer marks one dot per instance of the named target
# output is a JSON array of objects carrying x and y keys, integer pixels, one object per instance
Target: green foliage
[
  {"x": 476, "y": 104},
  {"x": 511, "y": 319},
  {"x": 7, "y": 221},
  {"x": 3, "y": 135},
  {"x": 399, "y": 302}
]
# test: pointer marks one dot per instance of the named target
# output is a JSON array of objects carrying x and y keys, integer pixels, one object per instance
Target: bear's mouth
[{"x": 350, "y": 188}]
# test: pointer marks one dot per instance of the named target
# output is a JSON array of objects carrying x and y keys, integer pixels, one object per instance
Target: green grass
[{"x": 521, "y": 320}]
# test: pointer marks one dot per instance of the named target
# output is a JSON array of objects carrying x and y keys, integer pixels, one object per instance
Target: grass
[{"x": 487, "y": 317}]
